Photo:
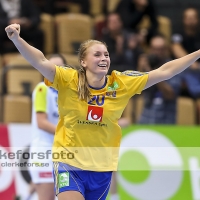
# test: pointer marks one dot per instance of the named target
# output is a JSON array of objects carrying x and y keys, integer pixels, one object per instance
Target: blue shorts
[{"x": 92, "y": 185}]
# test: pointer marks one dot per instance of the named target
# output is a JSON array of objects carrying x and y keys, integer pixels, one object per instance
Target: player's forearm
[
  {"x": 47, "y": 126},
  {"x": 31, "y": 54},
  {"x": 177, "y": 66}
]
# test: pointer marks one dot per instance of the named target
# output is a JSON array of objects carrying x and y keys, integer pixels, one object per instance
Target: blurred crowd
[{"x": 136, "y": 41}]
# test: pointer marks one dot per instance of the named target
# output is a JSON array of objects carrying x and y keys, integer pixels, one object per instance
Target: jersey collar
[{"x": 94, "y": 88}]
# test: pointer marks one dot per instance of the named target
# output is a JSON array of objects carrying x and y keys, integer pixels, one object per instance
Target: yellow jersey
[{"x": 88, "y": 135}]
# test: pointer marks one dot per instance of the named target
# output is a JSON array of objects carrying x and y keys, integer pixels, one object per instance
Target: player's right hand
[{"x": 13, "y": 31}]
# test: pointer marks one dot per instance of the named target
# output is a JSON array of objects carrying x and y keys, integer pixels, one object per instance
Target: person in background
[
  {"x": 159, "y": 100},
  {"x": 187, "y": 41},
  {"x": 122, "y": 45},
  {"x": 159, "y": 47},
  {"x": 44, "y": 120},
  {"x": 191, "y": 78},
  {"x": 132, "y": 13},
  {"x": 22, "y": 12}
]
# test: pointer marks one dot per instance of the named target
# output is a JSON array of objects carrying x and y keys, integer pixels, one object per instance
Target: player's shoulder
[
  {"x": 68, "y": 72},
  {"x": 66, "y": 68},
  {"x": 128, "y": 73}
]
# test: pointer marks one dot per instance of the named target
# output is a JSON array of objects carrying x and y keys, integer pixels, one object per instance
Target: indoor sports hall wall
[{"x": 156, "y": 162}]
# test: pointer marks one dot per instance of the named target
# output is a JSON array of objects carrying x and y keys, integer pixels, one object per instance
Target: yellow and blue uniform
[{"x": 89, "y": 131}]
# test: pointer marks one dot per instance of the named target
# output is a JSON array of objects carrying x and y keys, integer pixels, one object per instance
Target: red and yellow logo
[{"x": 95, "y": 113}]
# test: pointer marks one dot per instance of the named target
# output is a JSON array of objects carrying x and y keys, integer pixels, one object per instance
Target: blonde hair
[{"x": 83, "y": 86}]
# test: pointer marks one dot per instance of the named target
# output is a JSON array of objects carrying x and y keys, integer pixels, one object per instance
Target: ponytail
[{"x": 83, "y": 86}]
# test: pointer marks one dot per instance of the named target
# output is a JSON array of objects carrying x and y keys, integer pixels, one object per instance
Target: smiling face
[{"x": 96, "y": 61}]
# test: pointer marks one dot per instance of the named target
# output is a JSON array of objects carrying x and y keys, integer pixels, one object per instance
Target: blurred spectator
[
  {"x": 22, "y": 12},
  {"x": 122, "y": 46},
  {"x": 132, "y": 13},
  {"x": 191, "y": 78},
  {"x": 187, "y": 41},
  {"x": 158, "y": 46},
  {"x": 50, "y": 6},
  {"x": 159, "y": 100}
]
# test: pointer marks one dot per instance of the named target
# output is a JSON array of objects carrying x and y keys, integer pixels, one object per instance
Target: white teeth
[{"x": 102, "y": 65}]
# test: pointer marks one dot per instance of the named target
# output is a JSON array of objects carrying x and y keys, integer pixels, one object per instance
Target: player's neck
[{"x": 96, "y": 82}]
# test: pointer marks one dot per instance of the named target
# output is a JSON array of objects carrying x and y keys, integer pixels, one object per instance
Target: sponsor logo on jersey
[
  {"x": 95, "y": 113},
  {"x": 63, "y": 179},
  {"x": 114, "y": 86}
]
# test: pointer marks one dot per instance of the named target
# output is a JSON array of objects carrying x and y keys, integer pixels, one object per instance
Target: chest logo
[
  {"x": 95, "y": 113},
  {"x": 113, "y": 87}
]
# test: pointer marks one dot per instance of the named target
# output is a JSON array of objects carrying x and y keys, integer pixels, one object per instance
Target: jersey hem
[{"x": 98, "y": 169}]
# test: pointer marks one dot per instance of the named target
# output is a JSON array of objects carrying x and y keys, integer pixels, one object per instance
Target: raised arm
[
  {"x": 172, "y": 68},
  {"x": 35, "y": 57}
]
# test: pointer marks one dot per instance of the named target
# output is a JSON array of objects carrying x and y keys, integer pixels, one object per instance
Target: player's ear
[{"x": 83, "y": 63}]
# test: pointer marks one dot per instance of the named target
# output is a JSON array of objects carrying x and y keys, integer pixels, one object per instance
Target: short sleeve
[
  {"x": 40, "y": 98},
  {"x": 134, "y": 81},
  {"x": 62, "y": 77}
]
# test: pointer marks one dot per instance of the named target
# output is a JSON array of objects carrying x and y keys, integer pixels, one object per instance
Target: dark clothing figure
[
  {"x": 123, "y": 46},
  {"x": 157, "y": 109},
  {"x": 191, "y": 76},
  {"x": 192, "y": 80},
  {"x": 51, "y": 8},
  {"x": 184, "y": 42},
  {"x": 159, "y": 100},
  {"x": 127, "y": 58},
  {"x": 132, "y": 16},
  {"x": 190, "y": 43},
  {"x": 27, "y": 15}
]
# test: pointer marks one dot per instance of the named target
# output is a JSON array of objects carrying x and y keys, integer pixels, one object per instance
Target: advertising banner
[
  {"x": 155, "y": 163},
  {"x": 159, "y": 163},
  {"x": 13, "y": 182},
  {"x": 7, "y": 183}
]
